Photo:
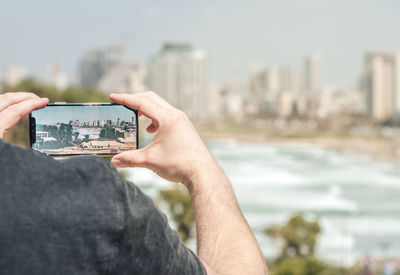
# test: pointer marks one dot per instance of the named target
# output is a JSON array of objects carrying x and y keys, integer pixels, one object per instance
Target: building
[
  {"x": 14, "y": 74},
  {"x": 55, "y": 76},
  {"x": 179, "y": 74},
  {"x": 343, "y": 101},
  {"x": 312, "y": 74},
  {"x": 285, "y": 104},
  {"x": 382, "y": 85},
  {"x": 263, "y": 86},
  {"x": 289, "y": 92},
  {"x": 96, "y": 63},
  {"x": 232, "y": 102},
  {"x": 289, "y": 80},
  {"x": 125, "y": 76}
]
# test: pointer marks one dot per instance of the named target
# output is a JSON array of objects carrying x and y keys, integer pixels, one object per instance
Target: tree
[
  {"x": 180, "y": 207},
  {"x": 299, "y": 236},
  {"x": 86, "y": 139}
]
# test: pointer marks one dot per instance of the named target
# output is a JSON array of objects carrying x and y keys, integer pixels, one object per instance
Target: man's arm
[
  {"x": 225, "y": 240},
  {"x": 226, "y": 244}
]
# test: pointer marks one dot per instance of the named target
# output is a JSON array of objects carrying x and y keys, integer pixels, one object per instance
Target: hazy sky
[
  {"x": 54, "y": 114},
  {"x": 236, "y": 34}
]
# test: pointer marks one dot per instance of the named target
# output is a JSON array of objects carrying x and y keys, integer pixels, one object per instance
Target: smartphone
[{"x": 62, "y": 129}]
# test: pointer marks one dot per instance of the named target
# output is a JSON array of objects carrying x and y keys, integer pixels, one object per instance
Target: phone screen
[{"x": 83, "y": 129}]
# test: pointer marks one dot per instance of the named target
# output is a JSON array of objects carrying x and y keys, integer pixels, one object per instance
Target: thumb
[{"x": 135, "y": 158}]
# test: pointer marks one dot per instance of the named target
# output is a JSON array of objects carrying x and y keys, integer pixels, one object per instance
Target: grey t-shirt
[{"x": 78, "y": 216}]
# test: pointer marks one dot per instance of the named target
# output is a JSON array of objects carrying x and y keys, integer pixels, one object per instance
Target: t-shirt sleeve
[{"x": 148, "y": 244}]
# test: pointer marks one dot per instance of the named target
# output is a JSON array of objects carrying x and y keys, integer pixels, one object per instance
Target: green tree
[
  {"x": 86, "y": 139},
  {"x": 299, "y": 266},
  {"x": 298, "y": 235},
  {"x": 180, "y": 207}
]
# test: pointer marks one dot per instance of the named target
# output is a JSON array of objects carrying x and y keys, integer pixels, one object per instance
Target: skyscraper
[
  {"x": 382, "y": 84},
  {"x": 126, "y": 76},
  {"x": 312, "y": 73},
  {"x": 55, "y": 76},
  {"x": 289, "y": 80},
  {"x": 263, "y": 86},
  {"x": 179, "y": 74},
  {"x": 96, "y": 63}
]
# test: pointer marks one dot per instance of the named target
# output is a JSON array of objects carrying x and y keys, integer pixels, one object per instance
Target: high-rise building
[
  {"x": 312, "y": 73},
  {"x": 125, "y": 76},
  {"x": 55, "y": 76},
  {"x": 179, "y": 74},
  {"x": 232, "y": 101},
  {"x": 289, "y": 80},
  {"x": 382, "y": 84},
  {"x": 285, "y": 104},
  {"x": 96, "y": 63},
  {"x": 263, "y": 86},
  {"x": 14, "y": 74}
]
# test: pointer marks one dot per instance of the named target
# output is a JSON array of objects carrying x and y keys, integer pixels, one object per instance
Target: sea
[{"x": 355, "y": 198}]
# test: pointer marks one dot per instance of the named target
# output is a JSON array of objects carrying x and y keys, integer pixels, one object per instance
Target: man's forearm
[{"x": 224, "y": 239}]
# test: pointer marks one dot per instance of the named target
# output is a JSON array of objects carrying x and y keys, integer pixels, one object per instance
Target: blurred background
[{"x": 299, "y": 101}]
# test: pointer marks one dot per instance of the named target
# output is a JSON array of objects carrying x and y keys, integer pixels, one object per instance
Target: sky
[
  {"x": 64, "y": 114},
  {"x": 235, "y": 34}
]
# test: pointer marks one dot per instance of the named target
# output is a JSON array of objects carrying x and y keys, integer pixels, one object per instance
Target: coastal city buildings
[
  {"x": 312, "y": 73},
  {"x": 179, "y": 73},
  {"x": 96, "y": 63},
  {"x": 382, "y": 85},
  {"x": 263, "y": 87},
  {"x": 55, "y": 76},
  {"x": 232, "y": 102},
  {"x": 127, "y": 75}
]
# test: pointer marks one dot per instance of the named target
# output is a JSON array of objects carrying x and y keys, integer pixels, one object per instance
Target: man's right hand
[
  {"x": 225, "y": 242},
  {"x": 176, "y": 152}
]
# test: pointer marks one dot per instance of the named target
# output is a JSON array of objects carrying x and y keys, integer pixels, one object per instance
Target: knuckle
[
  {"x": 177, "y": 116},
  {"x": 150, "y": 93},
  {"x": 183, "y": 115},
  {"x": 128, "y": 161}
]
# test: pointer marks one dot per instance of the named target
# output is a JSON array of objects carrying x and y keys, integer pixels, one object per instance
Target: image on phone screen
[{"x": 83, "y": 129}]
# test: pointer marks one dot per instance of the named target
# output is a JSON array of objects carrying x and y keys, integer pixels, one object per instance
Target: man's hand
[
  {"x": 225, "y": 242},
  {"x": 176, "y": 151},
  {"x": 14, "y": 106}
]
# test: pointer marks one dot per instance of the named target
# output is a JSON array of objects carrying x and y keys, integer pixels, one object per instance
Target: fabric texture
[{"x": 78, "y": 216}]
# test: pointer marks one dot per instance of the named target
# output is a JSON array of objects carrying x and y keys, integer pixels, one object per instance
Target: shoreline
[{"x": 379, "y": 148}]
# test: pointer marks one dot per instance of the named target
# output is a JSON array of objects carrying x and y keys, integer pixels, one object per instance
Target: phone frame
[{"x": 32, "y": 127}]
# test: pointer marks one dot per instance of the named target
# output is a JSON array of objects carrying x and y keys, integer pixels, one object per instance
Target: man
[{"x": 78, "y": 216}]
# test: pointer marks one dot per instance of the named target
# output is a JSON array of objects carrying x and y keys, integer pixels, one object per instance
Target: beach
[{"x": 377, "y": 146}]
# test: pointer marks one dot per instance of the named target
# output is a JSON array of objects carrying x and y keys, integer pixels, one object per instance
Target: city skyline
[
  {"x": 64, "y": 114},
  {"x": 276, "y": 32}
]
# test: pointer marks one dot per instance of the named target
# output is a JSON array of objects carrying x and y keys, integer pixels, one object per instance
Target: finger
[
  {"x": 149, "y": 107},
  {"x": 9, "y": 99},
  {"x": 135, "y": 158},
  {"x": 10, "y": 116},
  {"x": 154, "y": 96}
]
